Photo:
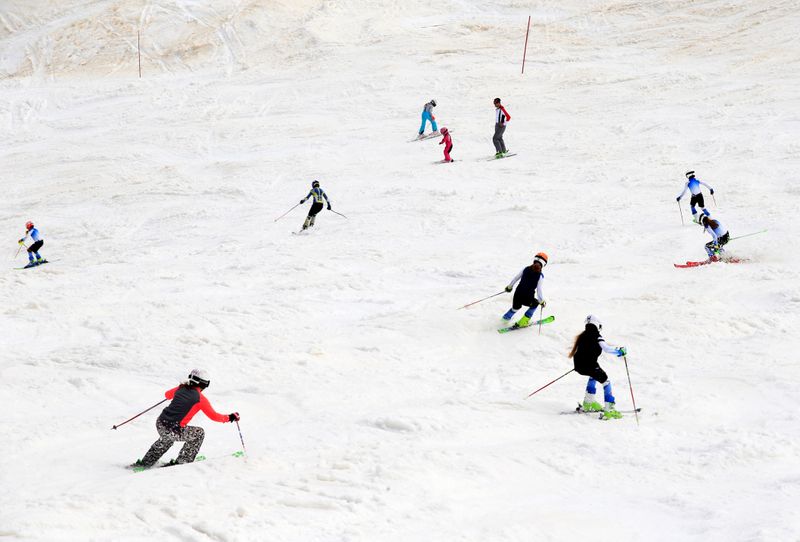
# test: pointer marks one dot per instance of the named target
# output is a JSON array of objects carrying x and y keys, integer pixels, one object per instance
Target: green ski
[{"x": 531, "y": 324}]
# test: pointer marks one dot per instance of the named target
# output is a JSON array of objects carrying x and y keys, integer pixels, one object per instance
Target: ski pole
[
  {"x": 747, "y": 235},
  {"x": 287, "y": 212},
  {"x": 715, "y": 200},
  {"x": 478, "y": 301},
  {"x": 340, "y": 214},
  {"x": 18, "y": 249},
  {"x": 681, "y": 212},
  {"x": 556, "y": 380},
  {"x": 541, "y": 317},
  {"x": 139, "y": 414},
  {"x": 635, "y": 410},
  {"x": 240, "y": 437}
]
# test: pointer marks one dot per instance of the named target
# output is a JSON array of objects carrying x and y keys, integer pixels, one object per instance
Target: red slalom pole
[
  {"x": 525, "y": 51},
  {"x": 556, "y": 380}
]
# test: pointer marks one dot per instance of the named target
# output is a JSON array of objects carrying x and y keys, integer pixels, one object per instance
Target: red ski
[{"x": 706, "y": 262}]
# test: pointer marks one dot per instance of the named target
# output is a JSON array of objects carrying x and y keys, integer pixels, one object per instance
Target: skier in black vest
[
  {"x": 529, "y": 288},
  {"x": 172, "y": 424},
  {"x": 588, "y": 347}
]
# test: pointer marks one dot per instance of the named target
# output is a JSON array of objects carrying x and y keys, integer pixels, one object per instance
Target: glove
[
  {"x": 22, "y": 241},
  {"x": 303, "y": 200},
  {"x": 712, "y": 191},
  {"x": 233, "y": 417},
  {"x": 329, "y": 207},
  {"x": 543, "y": 304},
  {"x": 621, "y": 351},
  {"x": 509, "y": 288},
  {"x": 678, "y": 198}
]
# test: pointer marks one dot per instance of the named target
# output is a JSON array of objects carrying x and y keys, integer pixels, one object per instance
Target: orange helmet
[
  {"x": 29, "y": 225},
  {"x": 541, "y": 258}
]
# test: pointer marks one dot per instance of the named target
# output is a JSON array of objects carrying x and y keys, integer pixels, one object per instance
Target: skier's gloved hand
[
  {"x": 543, "y": 303},
  {"x": 621, "y": 351},
  {"x": 712, "y": 191},
  {"x": 22, "y": 241},
  {"x": 678, "y": 198},
  {"x": 303, "y": 200},
  {"x": 509, "y": 288},
  {"x": 329, "y": 207},
  {"x": 233, "y": 417}
]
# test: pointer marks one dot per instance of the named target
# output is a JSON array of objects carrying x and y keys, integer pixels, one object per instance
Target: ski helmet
[
  {"x": 497, "y": 100},
  {"x": 433, "y": 103},
  {"x": 443, "y": 131},
  {"x": 541, "y": 258},
  {"x": 595, "y": 321},
  {"x": 199, "y": 377},
  {"x": 315, "y": 184},
  {"x": 29, "y": 225},
  {"x": 689, "y": 174}
]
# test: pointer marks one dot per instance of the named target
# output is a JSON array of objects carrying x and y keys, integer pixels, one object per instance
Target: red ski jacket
[{"x": 186, "y": 401}]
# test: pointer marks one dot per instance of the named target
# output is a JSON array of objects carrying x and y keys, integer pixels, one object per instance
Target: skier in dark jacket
[
  {"x": 318, "y": 194},
  {"x": 529, "y": 288},
  {"x": 172, "y": 424},
  {"x": 588, "y": 347}
]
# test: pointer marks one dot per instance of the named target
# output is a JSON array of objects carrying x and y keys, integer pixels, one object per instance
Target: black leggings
[
  {"x": 36, "y": 246},
  {"x": 315, "y": 208}
]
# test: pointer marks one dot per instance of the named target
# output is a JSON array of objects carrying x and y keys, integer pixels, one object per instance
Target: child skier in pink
[{"x": 448, "y": 144}]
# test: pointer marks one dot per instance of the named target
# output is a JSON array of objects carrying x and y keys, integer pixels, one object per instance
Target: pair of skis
[
  {"x": 515, "y": 327},
  {"x": 197, "y": 459}
]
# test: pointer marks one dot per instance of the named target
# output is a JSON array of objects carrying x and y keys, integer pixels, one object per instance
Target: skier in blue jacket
[
  {"x": 427, "y": 115},
  {"x": 719, "y": 237},
  {"x": 693, "y": 185},
  {"x": 319, "y": 195},
  {"x": 33, "y": 249}
]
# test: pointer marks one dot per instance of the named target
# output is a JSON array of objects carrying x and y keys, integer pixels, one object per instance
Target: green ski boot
[
  {"x": 593, "y": 406},
  {"x": 611, "y": 413},
  {"x": 523, "y": 322},
  {"x": 498, "y": 155}
]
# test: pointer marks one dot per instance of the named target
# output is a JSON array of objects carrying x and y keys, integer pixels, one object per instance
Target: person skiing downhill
[
  {"x": 427, "y": 115},
  {"x": 530, "y": 287},
  {"x": 447, "y": 141},
  {"x": 318, "y": 194},
  {"x": 501, "y": 120},
  {"x": 693, "y": 185},
  {"x": 33, "y": 250},
  {"x": 588, "y": 347},
  {"x": 173, "y": 423},
  {"x": 719, "y": 237}
]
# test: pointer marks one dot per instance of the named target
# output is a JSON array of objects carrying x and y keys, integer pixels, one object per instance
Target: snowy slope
[{"x": 371, "y": 408}]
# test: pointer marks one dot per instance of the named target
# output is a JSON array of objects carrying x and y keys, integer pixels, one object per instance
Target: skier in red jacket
[
  {"x": 172, "y": 424},
  {"x": 447, "y": 141},
  {"x": 501, "y": 119}
]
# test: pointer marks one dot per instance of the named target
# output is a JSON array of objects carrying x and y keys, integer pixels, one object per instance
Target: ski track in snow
[{"x": 371, "y": 408}]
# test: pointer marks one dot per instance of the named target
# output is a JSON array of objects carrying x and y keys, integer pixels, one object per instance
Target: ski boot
[
  {"x": 138, "y": 466},
  {"x": 611, "y": 413},
  {"x": 523, "y": 322},
  {"x": 590, "y": 403},
  {"x": 498, "y": 154}
]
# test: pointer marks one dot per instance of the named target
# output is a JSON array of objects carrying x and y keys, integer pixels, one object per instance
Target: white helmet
[
  {"x": 594, "y": 320},
  {"x": 199, "y": 377}
]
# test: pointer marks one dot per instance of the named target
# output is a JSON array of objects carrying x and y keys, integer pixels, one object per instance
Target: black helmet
[
  {"x": 689, "y": 174},
  {"x": 199, "y": 377},
  {"x": 315, "y": 184},
  {"x": 433, "y": 103}
]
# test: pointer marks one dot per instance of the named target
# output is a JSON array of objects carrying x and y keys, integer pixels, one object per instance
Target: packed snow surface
[{"x": 372, "y": 409}]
